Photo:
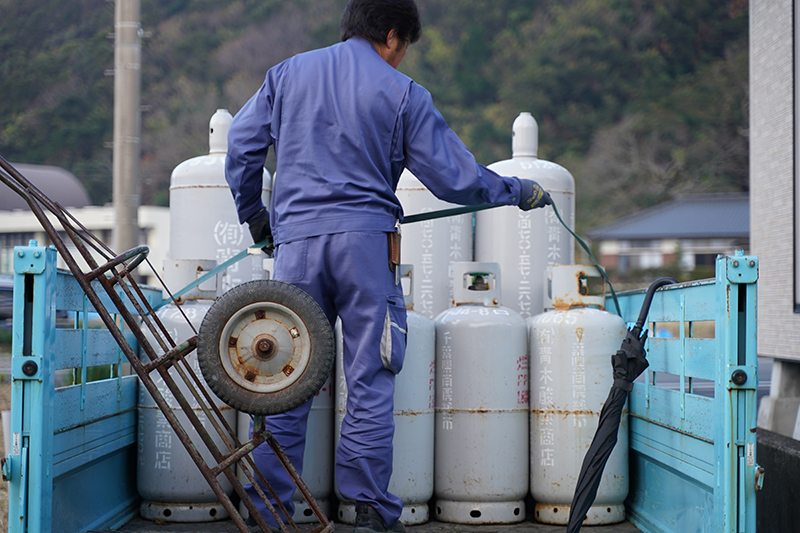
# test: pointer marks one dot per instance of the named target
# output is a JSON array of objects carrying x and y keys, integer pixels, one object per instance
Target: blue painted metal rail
[
  {"x": 72, "y": 465},
  {"x": 692, "y": 458}
]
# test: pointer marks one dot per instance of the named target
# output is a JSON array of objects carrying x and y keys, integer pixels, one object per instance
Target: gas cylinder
[
  {"x": 171, "y": 486},
  {"x": 318, "y": 456},
  {"x": 571, "y": 375},
  {"x": 204, "y": 228},
  {"x": 412, "y": 464},
  {"x": 432, "y": 246},
  {"x": 526, "y": 242},
  {"x": 203, "y": 219},
  {"x": 317, "y": 472},
  {"x": 481, "y": 439}
]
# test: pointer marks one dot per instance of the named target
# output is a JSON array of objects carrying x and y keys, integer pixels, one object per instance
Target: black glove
[
  {"x": 532, "y": 195},
  {"x": 260, "y": 229},
  {"x": 630, "y": 360}
]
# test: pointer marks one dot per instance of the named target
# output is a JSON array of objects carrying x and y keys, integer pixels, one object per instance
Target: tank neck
[{"x": 525, "y": 137}]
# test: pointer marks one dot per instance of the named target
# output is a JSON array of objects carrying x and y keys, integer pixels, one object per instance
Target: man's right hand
[
  {"x": 532, "y": 195},
  {"x": 260, "y": 229}
]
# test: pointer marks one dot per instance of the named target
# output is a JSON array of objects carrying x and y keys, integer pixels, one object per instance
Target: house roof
[
  {"x": 700, "y": 216},
  {"x": 58, "y": 184}
]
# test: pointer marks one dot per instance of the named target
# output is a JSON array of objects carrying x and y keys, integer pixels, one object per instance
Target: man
[{"x": 344, "y": 123}]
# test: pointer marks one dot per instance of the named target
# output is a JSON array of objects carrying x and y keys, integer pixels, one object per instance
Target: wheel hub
[
  {"x": 265, "y": 343},
  {"x": 265, "y": 348}
]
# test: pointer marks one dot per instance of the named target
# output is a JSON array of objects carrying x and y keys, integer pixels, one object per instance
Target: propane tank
[
  {"x": 171, "y": 486},
  {"x": 317, "y": 457},
  {"x": 203, "y": 219},
  {"x": 412, "y": 464},
  {"x": 203, "y": 228},
  {"x": 571, "y": 375},
  {"x": 526, "y": 242},
  {"x": 432, "y": 246},
  {"x": 481, "y": 446}
]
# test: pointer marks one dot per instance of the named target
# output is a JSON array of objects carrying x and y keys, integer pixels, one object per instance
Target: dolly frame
[{"x": 110, "y": 285}]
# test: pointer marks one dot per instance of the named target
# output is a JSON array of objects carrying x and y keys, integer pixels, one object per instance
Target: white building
[
  {"x": 18, "y": 225},
  {"x": 775, "y": 202}
]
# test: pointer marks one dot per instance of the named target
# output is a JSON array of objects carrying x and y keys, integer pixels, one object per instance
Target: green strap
[
  {"x": 470, "y": 209},
  {"x": 211, "y": 273},
  {"x": 591, "y": 256},
  {"x": 432, "y": 215}
]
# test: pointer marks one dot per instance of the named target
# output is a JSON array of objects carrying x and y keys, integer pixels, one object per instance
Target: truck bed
[
  {"x": 138, "y": 525},
  {"x": 692, "y": 454}
]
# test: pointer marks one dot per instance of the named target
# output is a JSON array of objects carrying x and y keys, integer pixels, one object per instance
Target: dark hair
[{"x": 374, "y": 19}]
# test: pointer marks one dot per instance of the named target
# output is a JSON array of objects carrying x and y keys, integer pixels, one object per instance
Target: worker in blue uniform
[{"x": 344, "y": 123}]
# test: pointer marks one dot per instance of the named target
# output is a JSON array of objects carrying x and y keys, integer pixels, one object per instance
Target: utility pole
[{"x": 127, "y": 124}]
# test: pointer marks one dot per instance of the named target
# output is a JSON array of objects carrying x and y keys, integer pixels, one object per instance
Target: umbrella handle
[{"x": 648, "y": 299}]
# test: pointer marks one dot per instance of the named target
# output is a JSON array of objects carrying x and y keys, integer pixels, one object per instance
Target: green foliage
[
  {"x": 641, "y": 100},
  {"x": 5, "y": 340},
  {"x": 57, "y": 104}
]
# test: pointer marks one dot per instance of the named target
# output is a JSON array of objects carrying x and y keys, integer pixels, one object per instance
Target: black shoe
[
  {"x": 369, "y": 521},
  {"x": 254, "y": 528}
]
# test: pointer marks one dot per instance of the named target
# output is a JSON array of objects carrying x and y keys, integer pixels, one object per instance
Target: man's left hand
[{"x": 532, "y": 195}]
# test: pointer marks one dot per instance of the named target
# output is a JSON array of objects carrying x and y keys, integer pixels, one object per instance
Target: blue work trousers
[{"x": 348, "y": 275}]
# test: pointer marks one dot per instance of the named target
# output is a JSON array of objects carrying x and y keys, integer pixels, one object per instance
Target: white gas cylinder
[
  {"x": 432, "y": 246},
  {"x": 525, "y": 243},
  {"x": 171, "y": 486},
  {"x": 481, "y": 446},
  {"x": 571, "y": 375},
  {"x": 203, "y": 219},
  {"x": 203, "y": 229},
  {"x": 318, "y": 456},
  {"x": 412, "y": 464}
]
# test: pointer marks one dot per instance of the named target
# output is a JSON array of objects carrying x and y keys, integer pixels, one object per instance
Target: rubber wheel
[{"x": 265, "y": 347}]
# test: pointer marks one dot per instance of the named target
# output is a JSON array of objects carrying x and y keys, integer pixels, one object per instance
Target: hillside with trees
[{"x": 642, "y": 100}]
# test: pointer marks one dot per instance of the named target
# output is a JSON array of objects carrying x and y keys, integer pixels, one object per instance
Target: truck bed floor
[{"x": 139, "y": 525}]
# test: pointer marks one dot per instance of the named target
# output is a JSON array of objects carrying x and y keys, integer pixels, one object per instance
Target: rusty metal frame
[{"x": 117, "y": 272}]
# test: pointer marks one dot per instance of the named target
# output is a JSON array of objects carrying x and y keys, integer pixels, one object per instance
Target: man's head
[{"x": 374, "y": 19}]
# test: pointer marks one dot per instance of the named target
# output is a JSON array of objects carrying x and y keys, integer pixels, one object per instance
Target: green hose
[{"x": 591, "y": 256}]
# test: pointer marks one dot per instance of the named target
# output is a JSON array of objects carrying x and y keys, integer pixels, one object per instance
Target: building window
[
  {"x": 7, "y": 243},
  {"x": 651, "y": 260},
  {"x": 705, "y": 259}
]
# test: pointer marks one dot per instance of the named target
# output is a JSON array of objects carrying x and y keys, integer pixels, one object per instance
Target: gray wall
[{"x": 772, "y": 201}]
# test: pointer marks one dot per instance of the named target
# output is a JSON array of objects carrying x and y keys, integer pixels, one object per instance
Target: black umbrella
[{"x": 629, "y": 361}]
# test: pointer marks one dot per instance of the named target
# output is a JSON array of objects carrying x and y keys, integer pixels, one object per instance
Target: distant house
[
  {"x": 691, "y": 229},
  {"x": 18, "y": 225}
]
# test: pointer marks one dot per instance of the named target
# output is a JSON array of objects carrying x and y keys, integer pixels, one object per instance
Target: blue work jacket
[{"x": 344, "y": 123}]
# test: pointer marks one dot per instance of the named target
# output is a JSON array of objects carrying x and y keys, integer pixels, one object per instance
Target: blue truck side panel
[
  {"x": 692, "y": 457},
  {"x": 73, "y": 461}
]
